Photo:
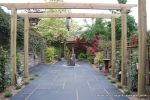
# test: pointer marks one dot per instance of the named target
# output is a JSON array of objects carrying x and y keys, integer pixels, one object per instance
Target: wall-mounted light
[{"x": 68, "y": 23}]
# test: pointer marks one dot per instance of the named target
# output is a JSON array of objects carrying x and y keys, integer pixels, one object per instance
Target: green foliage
[
  {"x": 81, "y": 56},
  {"x": 99, "y": 58},
  {"x": 90, "y": 57},
  {"x": 53, "y": 29},
  {"x": 118, "y": 65},
  {"x": 58, "y": 52},
  {"x": 20, "y": 33},
  {"x": 148, "y": 36},
  {"x": 4, "y": 28},
  {"x": 8, "y": 94},
  {"x": 133, "y": 71},
  {"x": 122, "y": 1},
  {"x": 131, "y": 27},
  {"x": 18, "y": 87},
  {"x": 99, "y": 28},
  {"x": 37, "y": 43},
  {"x": 127, "y": 92},
  {"x": 3, "y": 64},
  {"x": 50, "y": 54},
  {"x": 66, "y": 52},
  {"x": 18, "y": 64}
]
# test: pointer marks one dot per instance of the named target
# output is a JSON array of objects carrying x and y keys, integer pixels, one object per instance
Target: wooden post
[
  {"x": 26, "y": 42},
  {"x": 123, "y": 47},
  {"x": 13, "y": 44},
  {"x": 113, "y": 46},
  {"x": 142, "y": 47}
]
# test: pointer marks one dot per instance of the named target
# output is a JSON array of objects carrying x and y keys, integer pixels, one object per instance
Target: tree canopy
[
  {"x": 131, "y": 27},
  {"x": 122, "y": 1},
  {"x": 53, "y": 29},
  {"x": 4, "y": 28},
  {"x": 99, "y": 28}
]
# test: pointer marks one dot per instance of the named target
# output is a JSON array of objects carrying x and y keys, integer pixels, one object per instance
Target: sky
[{"x": 134, "y": 11}]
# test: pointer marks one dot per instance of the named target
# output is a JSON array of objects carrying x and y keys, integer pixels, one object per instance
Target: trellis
[{"x": 99, "y": 6}]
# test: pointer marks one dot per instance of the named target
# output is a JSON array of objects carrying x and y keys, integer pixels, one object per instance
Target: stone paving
[{"x": 61, "y": 82}]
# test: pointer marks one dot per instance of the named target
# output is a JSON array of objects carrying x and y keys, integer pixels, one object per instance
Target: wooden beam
[
  {"x": 113, "y": 46},
  {"x": 142, "y": 47},
  {"x": 54, "y": 5},
  {"x": 13, "y": 44},
  {"x": 26, "y": 42},
  {"x": 124, "y": 48},
  {"x": 65, "y": 15}
]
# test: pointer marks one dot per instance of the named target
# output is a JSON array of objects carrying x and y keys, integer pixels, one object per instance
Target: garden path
[{"x": 61, "y": 82}]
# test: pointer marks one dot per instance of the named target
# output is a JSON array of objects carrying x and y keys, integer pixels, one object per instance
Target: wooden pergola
[{"x": 99, "y": 6}]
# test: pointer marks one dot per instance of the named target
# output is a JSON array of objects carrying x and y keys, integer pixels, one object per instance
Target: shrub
[
  {"x": 18, "y": 87},
  {"x": 90, "y": 57},
  {"x": 127, "y": 92},
  {"x": 66, "y": 53},
  {"x": 58, "y": 52},
  {"x": 8, "y": 94},
  {"x": 133, "y": 72},
  {"x": 3, "y": 64},
  {"x": 99, "y": 58},
  {"x": 18, "y": 64},
  {"x": 118, "y": 65},
  {"x": 50, "y": 54},
  {"x": 81, "y": 56}
]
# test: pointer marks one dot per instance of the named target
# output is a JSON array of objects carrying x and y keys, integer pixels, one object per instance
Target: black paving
[{"x": 61, "y": 82}]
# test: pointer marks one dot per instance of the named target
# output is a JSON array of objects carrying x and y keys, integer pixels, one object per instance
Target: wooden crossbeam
[
  {"x": 55, "y": 5},
  {"x": 65, "y": 15}
]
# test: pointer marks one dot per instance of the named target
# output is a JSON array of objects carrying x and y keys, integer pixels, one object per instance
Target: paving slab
[{"x": 61, "y": 82}]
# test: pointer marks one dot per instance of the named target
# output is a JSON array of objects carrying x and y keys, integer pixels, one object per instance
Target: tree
[
  {"x": 36, "y": 41},
  {"x": 4, "y": 28},
  {"x": 131, "y": 24},
  {"x": 122, "y": 1},
  {"x": 53, "y": 29},
  {"x": 20, "y": 33},
  {"x": 99, "y": 28}
]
